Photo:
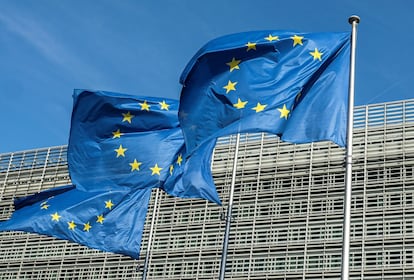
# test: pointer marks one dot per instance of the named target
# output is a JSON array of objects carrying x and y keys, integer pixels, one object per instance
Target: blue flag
[
  {"x": 129, "y": 141},
  {"x": 291, "y": 84},
  {"x": 111, "y": 221}
]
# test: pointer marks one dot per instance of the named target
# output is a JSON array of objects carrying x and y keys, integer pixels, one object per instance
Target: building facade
[{"x": 287, "y": 216}]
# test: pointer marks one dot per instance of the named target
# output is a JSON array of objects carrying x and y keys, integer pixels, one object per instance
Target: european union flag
[
  {"x": 119, "y": 140},
  {"x": 111, "y": 221},
  {"x": 291, "y": 84}
]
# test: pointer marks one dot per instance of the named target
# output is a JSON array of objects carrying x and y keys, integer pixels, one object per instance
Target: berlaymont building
[{"x": 288, "y": 212}]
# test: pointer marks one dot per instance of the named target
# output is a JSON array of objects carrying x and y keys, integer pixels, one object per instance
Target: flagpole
[
  {"x": 229, "y": 212},
  {"x": 353, "y": 20},
  {"x": 149, "y": 244}
]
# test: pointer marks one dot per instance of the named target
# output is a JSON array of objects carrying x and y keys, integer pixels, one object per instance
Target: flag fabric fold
[
  {"x": 291, "y": 84},
  {"x": 195, "y": 176},
  {"x": 129, "y": 141},
  {"x": 111, "y": 221}
]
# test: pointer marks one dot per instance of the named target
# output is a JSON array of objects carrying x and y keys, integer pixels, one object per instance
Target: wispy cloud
[{"x": 49, "y": 46}]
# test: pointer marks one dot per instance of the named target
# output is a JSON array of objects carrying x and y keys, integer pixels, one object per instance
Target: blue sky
[{"x": 48, "y": 48}]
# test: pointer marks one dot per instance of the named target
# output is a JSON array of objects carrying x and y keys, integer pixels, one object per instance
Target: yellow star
[
  {"x": 100, "y": 219},
  {"x": 297, "y": 40},
  {"x": 179, "y": 159},
  {"x": 117, "y": 134},
  {"x": 135, "y": 165},
  {"x": 156, "y": 169},
  {"x": 44, "y": 205},
  {"x": 109, "y": 204},
  {"x": 145, "y": 106},
  {"x": 240, "y": 104},
  {"x": 171, "y": 169},
  {"x": 271, "y": 38},
  {"x": 259, "y": 107},
  {"x": 316, "y": 54},
  {"x": 55, "y": 217},
  {"x": 233, "y": 64},
  {"x": 71, "y": 225},
  {"x": 87, "y": 227},
  {"x": 250, "y": 46},
  {"x": 164, "y": 106},
  {"x": 127, "y": 117},
  {"x": 120, "y": 151},
  {"x": 284, "y": 112},
  {"x": 230, "y": 86}
]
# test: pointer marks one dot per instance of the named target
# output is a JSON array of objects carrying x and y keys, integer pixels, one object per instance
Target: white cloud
[{"x": 48, "y": 45}]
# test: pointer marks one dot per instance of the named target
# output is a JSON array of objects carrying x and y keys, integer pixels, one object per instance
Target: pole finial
[{"x": 354, "y": 18}]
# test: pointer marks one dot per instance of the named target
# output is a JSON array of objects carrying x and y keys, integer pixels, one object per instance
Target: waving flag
[
  {"x": 128, "y": 141},
  {"x": 111, "y": 221},
  {"x": 291, "y": 84}
]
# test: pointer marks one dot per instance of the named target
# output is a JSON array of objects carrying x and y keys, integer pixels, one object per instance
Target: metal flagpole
[
  {"x": 353, "y": 20},
  {"x": 229, "y": 212},
  {"x": 149, "y": 245}
]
